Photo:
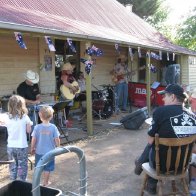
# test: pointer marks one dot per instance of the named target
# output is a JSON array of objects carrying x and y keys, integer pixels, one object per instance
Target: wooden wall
[{"x": 15, "y": 61}]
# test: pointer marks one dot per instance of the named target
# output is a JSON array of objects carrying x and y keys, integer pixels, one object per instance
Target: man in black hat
[{"x": 170, "y": 121}]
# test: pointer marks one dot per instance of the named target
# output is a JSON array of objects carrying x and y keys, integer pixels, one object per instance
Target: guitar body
[{"x": 66, "y": 93}]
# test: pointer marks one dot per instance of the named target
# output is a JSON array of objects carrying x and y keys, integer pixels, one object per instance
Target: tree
[
  {"x": 186, "y": 35},
  {"x": 143, "y": 8}
]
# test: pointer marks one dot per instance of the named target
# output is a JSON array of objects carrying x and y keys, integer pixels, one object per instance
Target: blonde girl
[{"x": 18, "y": 125}]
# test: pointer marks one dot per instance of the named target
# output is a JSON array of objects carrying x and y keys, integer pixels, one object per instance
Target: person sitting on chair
[
  {"x": 170, "y": 121},
  {"x": 69, "y": 87},
  {"x": 82, "y": 85},
  {"x": 30, "y": 91}
]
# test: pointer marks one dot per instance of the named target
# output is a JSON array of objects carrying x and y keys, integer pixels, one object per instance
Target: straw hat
[
  {"x": 67, "y": 67},
  {"x": 194, "y": 93},
  {"x": 31, "y": 76}
]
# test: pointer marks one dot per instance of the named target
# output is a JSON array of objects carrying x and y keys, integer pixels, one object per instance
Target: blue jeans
[
  {"x": 145, "y": 157},
  {"x": 122, "y": 95}
]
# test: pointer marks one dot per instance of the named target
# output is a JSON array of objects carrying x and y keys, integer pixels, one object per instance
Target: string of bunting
[
  {"x": 88, "y": 65},
  {"x": 131, "y": 53},
  {"x": 50, "y": 44},
  {"x": 71, "y": 45},
  {"x": 19, "y": 40},
  {"x": 94, "y": 51}
]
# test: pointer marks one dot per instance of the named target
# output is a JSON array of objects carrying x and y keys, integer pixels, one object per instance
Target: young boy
[{"x": 45, "y": 137}]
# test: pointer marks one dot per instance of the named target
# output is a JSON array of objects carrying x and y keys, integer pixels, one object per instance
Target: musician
[
  {"x": 67, "y": 80},
  {"x": 120, "y": 70},
  {"x": 82, "y": 85},
  {"x": 30, "y": 91}
]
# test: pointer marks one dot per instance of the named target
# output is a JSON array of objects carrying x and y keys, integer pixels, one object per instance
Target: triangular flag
[
  {"x": 71, "y": 45},
  {"x": 167, "y": 56},
  {"x": 131, "y": 53},
  {"x": 139, "y": 52},
  {"x": 117, "y": 48},
  {"x": 173, "y": 56},
  {"x": 50, "y": 44},
  {"x": 19, "y": 39},
  {"x": 160, "y": 54}
]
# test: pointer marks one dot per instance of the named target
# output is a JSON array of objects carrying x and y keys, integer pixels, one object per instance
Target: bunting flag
[
  {"x": 94, "y": 51},
  {"x": 155, "y": 56},
  {"x": 174, "y": 56},
  {"x": 71, "y": 45},
  {"x": 167, "y": 56},
  {"x": 88, "y": 65},
  {"x": 131, "y": 53},
  {"x": 160, "y": 54},
  {"x": 139, "y": 52},
  {"x": 117, "y": 48},
  {"x": 50, "y": 44},
  {"x": 19, "y": 39},
  {"x": 153, "y": 69}
]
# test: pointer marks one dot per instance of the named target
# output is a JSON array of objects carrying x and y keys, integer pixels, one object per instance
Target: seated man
[
  {"x": 30, "y": 91},
  {"x": 82, "y": 85},
  {"x": 169, "y": 121}
]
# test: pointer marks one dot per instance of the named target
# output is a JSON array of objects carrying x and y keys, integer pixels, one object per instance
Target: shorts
[{"x": 50, "y": 166}]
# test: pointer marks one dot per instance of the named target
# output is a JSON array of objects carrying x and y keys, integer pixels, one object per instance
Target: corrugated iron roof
[{"x": 106, "y": 20}]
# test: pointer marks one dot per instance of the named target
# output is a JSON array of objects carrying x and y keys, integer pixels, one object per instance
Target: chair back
[{"x": 178, "y": 153}]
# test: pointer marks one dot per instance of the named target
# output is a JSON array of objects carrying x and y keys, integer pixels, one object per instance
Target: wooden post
[
  {"x": 89, "y": 97},
  {"x": 148, "y": 85}
]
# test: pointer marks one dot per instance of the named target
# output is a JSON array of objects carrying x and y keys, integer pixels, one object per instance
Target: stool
[{"x": 58, "y": 119}]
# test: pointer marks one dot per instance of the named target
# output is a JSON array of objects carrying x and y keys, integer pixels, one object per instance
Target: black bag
[{"x": 134, "y": 120}]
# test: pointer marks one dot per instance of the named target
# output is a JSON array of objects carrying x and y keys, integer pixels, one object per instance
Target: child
[
  {"x": 45, "y": 137},
  {"x": 192, "y": 101},
  {"x": 17, "y": 123}
]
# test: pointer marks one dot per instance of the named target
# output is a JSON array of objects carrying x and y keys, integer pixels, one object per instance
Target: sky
[{"x": 179, "y": 9}]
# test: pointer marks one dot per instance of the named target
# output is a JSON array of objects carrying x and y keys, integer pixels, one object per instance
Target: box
[
  {"x": 20, "y": 188},
  {"x": 134, "y": 120}
]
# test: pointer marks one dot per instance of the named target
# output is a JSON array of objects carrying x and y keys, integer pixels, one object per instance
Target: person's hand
[
  {"x": 32, "y": 151},
  {"x": 37, "y": 101}
]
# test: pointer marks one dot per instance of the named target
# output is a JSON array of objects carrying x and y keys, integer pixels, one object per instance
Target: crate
[
  {"x": 134, "y": 120},
  {"x": 20, "y": 188}
]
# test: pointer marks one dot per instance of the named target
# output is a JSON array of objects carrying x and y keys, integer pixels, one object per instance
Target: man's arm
[{"x": 57, "y": 141}]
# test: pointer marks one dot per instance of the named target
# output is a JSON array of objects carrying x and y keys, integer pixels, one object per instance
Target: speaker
[
  {"x": 134, "y": 120},
  {"x": 172, "y": 75}
]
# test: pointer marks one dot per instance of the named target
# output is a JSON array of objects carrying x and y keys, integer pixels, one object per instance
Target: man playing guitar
[
  {"x": 120, "y": 74},
  {"x": 69, "y": 87}
]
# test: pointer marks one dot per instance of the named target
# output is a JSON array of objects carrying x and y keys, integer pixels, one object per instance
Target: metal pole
[
  {"x": 89, "y": 98},
  {"x": 148, "y": 81},
  {"x": 48, "y": 156}
]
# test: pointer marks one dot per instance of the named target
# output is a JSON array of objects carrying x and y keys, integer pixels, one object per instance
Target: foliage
[
  {"x": 186, "y": 35},
  {"x": 143, "y": 8}
]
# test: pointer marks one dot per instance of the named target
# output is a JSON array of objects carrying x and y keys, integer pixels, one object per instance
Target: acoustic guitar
[{"x": 66, "y": 93}]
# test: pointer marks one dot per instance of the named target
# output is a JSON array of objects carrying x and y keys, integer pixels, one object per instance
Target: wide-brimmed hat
[
  {"x": 194, "y": 93},
  {"x": 174, "y": 89},
  {"x": 67, "y": 67},
  {"x": 32, "y": 76}
]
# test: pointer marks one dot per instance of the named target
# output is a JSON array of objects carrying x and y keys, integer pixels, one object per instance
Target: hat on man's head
[
  {"x": 174, "y": 89},
  {"x": 67, "y": 67},
  {"x": 32, "y": 76}
]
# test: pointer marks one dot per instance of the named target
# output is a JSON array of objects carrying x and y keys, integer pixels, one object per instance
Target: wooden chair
[{"x": 183, "y": 156}]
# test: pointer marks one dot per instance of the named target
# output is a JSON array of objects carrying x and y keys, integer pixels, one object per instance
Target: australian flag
[
  {"x": 70, "y": 43},
  {"x": 117, "y": 48},
  {"x": 19, "y": 39},
  {"x": 50, "y": 44},
  {"x": 88, "y": 65},
  {"x": 94, "y": 51}
]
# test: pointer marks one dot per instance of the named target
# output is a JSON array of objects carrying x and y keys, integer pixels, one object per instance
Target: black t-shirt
[
  {"x": 27, "y": 91},
  {"x": 172, "y": 121}
]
